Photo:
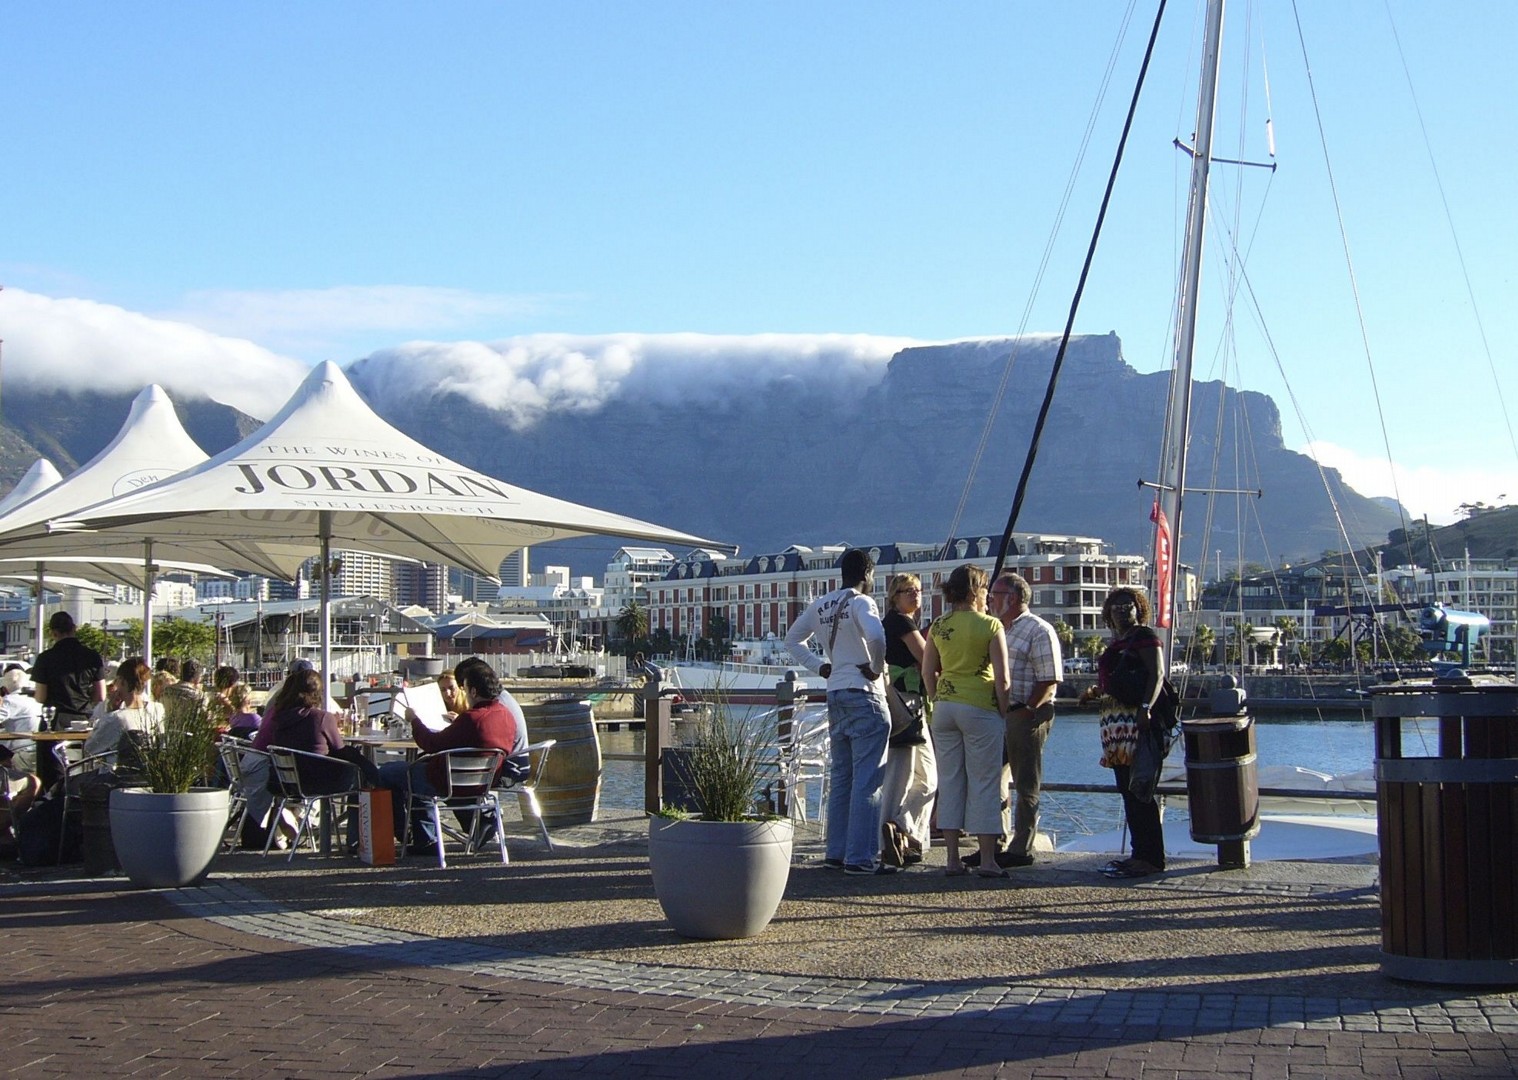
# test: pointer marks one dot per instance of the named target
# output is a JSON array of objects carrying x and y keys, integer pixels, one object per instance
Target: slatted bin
[
  {"x": 1222, "y": 778},
  {"x": 1447, "y": 815}
]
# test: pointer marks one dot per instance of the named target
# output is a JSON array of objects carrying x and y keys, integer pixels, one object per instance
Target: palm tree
[
  {"x": 632, "y": 624},
  {"x": 1066, "y": 635},
  {"x": 1203, "y": 641}
]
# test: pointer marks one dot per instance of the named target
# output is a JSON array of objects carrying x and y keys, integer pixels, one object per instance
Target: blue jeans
[
  {"x": 392, "y": 775},
  {"x": 858, "y": 727}
]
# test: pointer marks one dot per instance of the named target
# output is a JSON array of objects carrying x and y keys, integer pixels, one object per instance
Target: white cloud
[
  {"x": 1426, "y": 489},
  {"x": 526, "y": 377},
  {"x": 84, "y": 345},
  {"x": 320, "y": 323}
]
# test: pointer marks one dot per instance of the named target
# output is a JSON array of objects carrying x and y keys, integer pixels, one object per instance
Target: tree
[
  {"x": 1092, "y": 645},
  {"x": 1203, "y": 641},
  {"x": 632, "y": 625},
  {"x": 1403, "y": 642},
  {"x": 185, "y": 638},
  {"x": 1066, "y": 634},
  {"x": 93, "y": 637}
]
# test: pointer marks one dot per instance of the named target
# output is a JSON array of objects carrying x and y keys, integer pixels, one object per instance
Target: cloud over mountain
[
  {"x": 71, "y": 344},
  {"x": 526, "y": 378}
]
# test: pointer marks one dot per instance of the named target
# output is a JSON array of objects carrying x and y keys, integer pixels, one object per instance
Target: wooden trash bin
[
  {"x": 1447, "y": 817},
  {"x": 570, "y": 791},
  {"x": 1222, "y": 781}
]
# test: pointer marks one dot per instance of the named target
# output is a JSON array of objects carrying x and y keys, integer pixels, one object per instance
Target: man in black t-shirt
[{"x": 70, "y": 676}]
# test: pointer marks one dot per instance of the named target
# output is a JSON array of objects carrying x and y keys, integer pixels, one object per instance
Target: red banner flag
[{"x": 1161, "y": 566}]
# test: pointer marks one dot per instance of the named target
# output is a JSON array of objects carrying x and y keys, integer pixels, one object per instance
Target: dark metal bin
[
  {"x": 1222, "y": 783},
  {"x": 1447, "y": 817}
]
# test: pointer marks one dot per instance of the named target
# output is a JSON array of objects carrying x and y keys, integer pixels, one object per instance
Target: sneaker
[
  {"x": 893, "y": 850},
  {"x": 833, "y": 864},
  {"x": 1005, "y": 859},
  {"x": 869, "y": 869}
]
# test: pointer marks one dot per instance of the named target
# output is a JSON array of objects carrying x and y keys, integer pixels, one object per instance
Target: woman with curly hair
[{"x": 1128, "y": 680}]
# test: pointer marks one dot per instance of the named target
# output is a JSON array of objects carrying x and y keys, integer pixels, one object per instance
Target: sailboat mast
[{"x": 1172, "y": 479}]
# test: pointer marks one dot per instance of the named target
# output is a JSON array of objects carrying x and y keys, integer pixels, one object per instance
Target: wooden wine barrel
[
  {"x": 1222, "y": 785},
  {"x": 1447, "y": 817},
  {"x": 571, "y": 787}
]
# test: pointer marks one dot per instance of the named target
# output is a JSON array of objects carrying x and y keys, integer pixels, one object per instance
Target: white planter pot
[
  {"x": 165, "y": 841},
  {"x": 719, "y": 879}
]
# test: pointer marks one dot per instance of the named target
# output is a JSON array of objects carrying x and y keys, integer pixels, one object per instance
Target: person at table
[
  {"x": 136, "y": 713},
  {"x": 70, "y": 676},
  {"x": 493, "y": 721},
  {"x": 242, "y": 714},
  {"x": 296, "y": 720},
  {"x": 188, "y": 689},
  {"x": 19, "y": 713}
]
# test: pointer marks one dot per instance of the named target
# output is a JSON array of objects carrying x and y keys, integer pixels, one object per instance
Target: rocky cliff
[{"x": 863, "y": 455}]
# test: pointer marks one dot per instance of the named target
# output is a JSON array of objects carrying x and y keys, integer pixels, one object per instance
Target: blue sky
[{"x": 220, "y": 191}]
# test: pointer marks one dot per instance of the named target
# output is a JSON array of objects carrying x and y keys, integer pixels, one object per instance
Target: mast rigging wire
[
  {"x": 1038, "y": 278},
  {"x": 1080, "y": 288}
]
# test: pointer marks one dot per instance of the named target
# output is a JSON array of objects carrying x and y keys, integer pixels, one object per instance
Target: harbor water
[{"x": 1072, "y": 755}]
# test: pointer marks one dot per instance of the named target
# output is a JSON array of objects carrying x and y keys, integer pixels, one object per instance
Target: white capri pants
[{"x": 968, "y": 742}]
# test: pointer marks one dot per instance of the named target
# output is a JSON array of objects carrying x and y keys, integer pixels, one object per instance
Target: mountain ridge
[{"x": 854, "y": 458}]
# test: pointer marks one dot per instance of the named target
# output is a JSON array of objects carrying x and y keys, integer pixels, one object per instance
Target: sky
[{"x": 218, "y": 196}]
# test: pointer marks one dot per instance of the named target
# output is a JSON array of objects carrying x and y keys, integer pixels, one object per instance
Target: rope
[{"x": 1080, "y": 288}]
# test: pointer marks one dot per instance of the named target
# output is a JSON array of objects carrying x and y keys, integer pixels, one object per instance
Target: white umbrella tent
[
  {"x": 42, "y": 475},
  {"x": 150, "y": 446},
  {"x": 328, "y": 471}
]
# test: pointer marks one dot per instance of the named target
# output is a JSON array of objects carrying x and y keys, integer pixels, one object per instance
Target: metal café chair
[
  {"x": 468, "y": 785},
  {"x": 296, "y": 773},
  {"x": 234, "y": 754},
  {"x": 526, "y": 788}
]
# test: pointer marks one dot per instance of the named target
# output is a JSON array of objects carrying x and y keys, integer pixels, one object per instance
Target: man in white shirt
[
  {"x": 20, "y": 713},
  {"x": 858, "y": 722},
  {"x": 1036, "y": 668}
]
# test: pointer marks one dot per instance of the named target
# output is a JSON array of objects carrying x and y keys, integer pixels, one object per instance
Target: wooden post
[
  {"x": 657, "y": 734},
  {"x": 785, "y": 701}
]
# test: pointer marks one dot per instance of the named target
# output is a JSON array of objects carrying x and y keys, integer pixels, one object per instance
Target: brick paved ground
[{"x": 104, "y": 983}]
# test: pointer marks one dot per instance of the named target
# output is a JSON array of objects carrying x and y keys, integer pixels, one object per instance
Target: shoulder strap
[{"x": 832, "y": 637}]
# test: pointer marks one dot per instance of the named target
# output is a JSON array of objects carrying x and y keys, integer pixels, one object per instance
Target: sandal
[
  {"x": 992, "y": 872},
  {"x": 955, "y": 871}
]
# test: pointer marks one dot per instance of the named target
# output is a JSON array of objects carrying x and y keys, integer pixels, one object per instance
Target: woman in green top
[{"x": 964, "y": 669}]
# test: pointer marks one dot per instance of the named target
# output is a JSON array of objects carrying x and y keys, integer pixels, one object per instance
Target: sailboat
[{"x": 1328, "y": 830}]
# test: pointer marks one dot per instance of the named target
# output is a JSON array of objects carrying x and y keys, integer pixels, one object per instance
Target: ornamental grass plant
[
  {"x": 729, "y": 759},
  {"x": 181, "y": 754}
]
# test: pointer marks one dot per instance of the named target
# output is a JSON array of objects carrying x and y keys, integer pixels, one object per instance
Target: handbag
[
  {"x": 1154, "y": 743},
  {"x": 906, "y": 716}
]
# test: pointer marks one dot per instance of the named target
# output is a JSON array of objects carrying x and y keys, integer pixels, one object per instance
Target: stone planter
[
  {"x": 719, "y": 879},
  {"x": 165, "y": 841}
]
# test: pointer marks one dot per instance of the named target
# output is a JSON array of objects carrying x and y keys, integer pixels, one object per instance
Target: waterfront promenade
[{"x": 560, "y": 964}]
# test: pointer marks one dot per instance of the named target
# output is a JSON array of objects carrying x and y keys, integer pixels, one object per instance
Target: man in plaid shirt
[{"x": 1033, "y": 656}]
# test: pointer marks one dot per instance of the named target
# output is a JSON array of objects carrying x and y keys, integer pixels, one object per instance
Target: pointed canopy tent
[
  {"x": 150, "y": 446},
  {"x": 42, "y": 475},
  {"x": 328, "y": 471}
]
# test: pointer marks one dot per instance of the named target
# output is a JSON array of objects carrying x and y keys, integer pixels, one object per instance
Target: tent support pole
[
  {"x": 149, "y": 571},
  {"x": 325, "y": 529},
  {"x": 41, "y": 605}
]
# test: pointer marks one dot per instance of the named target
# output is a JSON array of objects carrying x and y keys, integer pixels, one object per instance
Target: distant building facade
[{"x": 760, "y": 596}]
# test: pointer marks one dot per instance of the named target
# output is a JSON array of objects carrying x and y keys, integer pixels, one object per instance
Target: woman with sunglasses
[
  {"x": 911, "y": 773},
  {"x": 1128, "y": 680}
]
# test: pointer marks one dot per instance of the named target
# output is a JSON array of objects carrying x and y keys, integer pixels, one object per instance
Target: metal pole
[
  {"x": 149, "y": 571},
  {"x": 325, "y": 533},
  {"x": 1178, "y": 412}
]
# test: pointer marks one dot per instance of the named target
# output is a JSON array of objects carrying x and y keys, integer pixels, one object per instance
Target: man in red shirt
[{"x": 493, "y": 721}]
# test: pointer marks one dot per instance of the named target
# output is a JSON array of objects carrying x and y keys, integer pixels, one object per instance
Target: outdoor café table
[{"x": 372, "y": 745}]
